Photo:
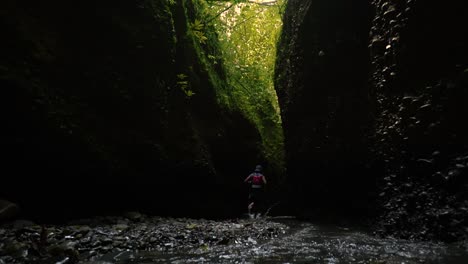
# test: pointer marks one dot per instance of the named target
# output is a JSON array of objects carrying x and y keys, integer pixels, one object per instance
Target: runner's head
[{"x": 258, "y": 168}]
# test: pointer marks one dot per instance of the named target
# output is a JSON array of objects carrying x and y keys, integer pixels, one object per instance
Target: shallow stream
[{"x": 305, "y": 242}]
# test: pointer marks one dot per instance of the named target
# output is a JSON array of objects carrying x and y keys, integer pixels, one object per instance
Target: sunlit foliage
[{"x": 247, "y": 33}]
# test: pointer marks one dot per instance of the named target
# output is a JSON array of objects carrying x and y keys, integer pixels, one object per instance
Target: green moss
[{"x": 236, "y": 44}]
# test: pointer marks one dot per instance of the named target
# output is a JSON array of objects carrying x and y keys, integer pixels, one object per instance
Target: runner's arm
[{"x": 248, "y": 178}]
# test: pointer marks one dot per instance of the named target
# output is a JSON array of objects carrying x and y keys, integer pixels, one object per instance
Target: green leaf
[
  {"x": 181, "y": 76},
  {"x": 189, "y": 93}
]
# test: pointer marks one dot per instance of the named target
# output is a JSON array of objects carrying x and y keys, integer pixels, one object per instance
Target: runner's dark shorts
[{"x": 255, "y": 195}]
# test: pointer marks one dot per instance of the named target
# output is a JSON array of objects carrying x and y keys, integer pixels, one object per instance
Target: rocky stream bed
[
  {"x": 87, "y": 240},
  {"x": 137, "y": 238}
]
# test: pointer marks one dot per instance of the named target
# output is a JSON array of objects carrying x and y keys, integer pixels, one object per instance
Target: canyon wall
[
  {"x": 374, "y": 96},
  {"x": 97, "y": 117},
  {"x": 321, "y": 81}
]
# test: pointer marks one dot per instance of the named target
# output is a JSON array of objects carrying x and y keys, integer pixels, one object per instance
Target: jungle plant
[{"x": 244, "y": 34}]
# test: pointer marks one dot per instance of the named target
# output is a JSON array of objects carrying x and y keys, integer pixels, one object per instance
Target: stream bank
[
  {"x": 113, "y": 237},
  {"x": 137, "y": 238}
]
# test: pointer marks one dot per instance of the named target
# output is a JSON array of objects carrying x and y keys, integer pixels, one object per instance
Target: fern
[
  {"x": 184, "y": 84},
  {"x": 197, "y": 28}
]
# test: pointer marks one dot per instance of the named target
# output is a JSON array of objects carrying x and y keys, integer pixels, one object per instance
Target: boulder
[{"x": 8, "y": 210}]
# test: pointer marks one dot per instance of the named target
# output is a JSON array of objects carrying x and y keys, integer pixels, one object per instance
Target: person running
[{"x": 257, "y": 182}]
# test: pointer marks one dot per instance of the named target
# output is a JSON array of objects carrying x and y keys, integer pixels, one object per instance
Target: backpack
[{"x": 257, "y": 179}]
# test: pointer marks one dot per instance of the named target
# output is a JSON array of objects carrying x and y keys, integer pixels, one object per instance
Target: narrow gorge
[{"x": 153, "y": 112}]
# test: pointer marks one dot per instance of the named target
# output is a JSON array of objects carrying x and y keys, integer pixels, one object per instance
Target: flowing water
[{"x": 308, "y": 243}]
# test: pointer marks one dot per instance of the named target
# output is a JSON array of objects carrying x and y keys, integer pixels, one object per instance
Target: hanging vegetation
[{"x": 246, "y": 36}]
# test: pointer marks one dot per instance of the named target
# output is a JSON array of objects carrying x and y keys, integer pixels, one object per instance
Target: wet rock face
[
  {"x": 419, "y": 60},
  {"x": 322, "y": 88},
  {"x": 387, "y": 88},
  {"x": 93, "y": 117}
]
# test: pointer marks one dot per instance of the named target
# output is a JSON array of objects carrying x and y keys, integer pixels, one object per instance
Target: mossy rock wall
[{"x": 94, "y": 121}]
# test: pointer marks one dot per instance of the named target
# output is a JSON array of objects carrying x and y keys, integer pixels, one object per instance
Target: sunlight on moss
[
  {"x": 249, "y": 33},
  {"x": 246, "y": 35}
]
